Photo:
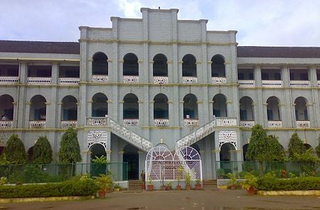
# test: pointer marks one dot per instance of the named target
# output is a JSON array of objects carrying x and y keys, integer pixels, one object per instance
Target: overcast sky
[{"x": 258, "y": 22}]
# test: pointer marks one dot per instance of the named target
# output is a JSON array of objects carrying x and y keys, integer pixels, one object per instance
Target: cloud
[{"x": 130, "y": 8}]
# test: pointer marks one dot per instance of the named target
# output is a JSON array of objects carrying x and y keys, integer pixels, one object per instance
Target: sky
[{"x": 258, "y": 22}]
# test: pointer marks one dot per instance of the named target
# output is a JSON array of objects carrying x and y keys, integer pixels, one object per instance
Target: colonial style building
[{"x": 157, "y": 80}]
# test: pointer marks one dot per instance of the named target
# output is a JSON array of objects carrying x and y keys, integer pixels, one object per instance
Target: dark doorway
[
  {"x": 100, "y": 167},
  {"x": 131, "y": 156}
]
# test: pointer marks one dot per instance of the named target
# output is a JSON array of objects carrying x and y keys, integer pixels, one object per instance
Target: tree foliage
[
  {"x": 14, "y": 151},
  {"x": 295, "y": 146},
  {"x": 318, "y": 148},
  {"x": 42, "y": 151},
  {"x": 69, "y": 147},
  {"x": 263, "y": 147}
]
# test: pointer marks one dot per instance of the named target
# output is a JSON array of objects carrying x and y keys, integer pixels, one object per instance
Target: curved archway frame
[{"x": 162, "y": 165}]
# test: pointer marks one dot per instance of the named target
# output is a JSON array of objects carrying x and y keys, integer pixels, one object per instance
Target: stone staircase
[
  {"x": 210, "y": 184},
  {"x": 134, "y": 185},
  {"x": 123, "y": 132}
]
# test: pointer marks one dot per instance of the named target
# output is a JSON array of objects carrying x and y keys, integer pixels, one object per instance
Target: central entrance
[{"x": 131, "y": 156}]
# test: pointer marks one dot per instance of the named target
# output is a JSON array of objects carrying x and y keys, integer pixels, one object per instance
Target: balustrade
[
  {"x": 160, "y": 80},
  {"x": 6, "y": 124},
  {"x": 219, "y": 80},
  {"x": 97, "y": 121},
  {"x": 131, "y": 79},
  {"x": 274, "y": 124},
  {"x": 247, "y": 124},
  {"x": 37, "y": 124},
  {"x": 272, "y": 83},
  {"x": 69, "y": 81},
  {"x": 161, "y": 122},
  {"x": 246, "y": 83},
  {"x": 189, "y": 80},
  {"x": 303, "y": 124},
  {"x": 9, "y": 80},
  {"x": 131, "y": 122},
  {"x": 191, "y": 122},
  {"x": 100, "y": 78},
  {"x": 69, "y": 123},
  {"x": 39, "y": 80},
  {"x": 299, "y": 83}
]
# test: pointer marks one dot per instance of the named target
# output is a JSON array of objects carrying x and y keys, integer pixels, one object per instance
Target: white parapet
[
  {"x": 97, "y": 121},
  {"x": 219, "y": 80},
  {"x": 272, "y": 83},
  {"x": 69, "y": 123},
  {"x": 191, "y": 122},
  {"x": 275, "y": 124},
  {"x": 131, "y": 79},
  {"x": 9, "y": 80},
  {"x": 39, "y": 80},
  {"x": 100, "y": 78},
  {"x": 37, "y": 124},
  {"x": 160, "y": 80},
  {"x": 189, "y": 80},
  {"x": 131, "y": 122},
  {"x": 6, "y": 124},
  {"x": 246, "y": 83},
  {"x": 247, "y": 124},
  {"x": 161, "y": 122},
  {"x": 299, "y": 83},
  {"x": 303, "y": 124},
  {"x": 69, "y": 81}
]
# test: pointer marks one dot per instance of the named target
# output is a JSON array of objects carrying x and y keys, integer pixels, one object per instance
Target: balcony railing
[
  {"x": 9, "y": 80},
  {"x": 247, "y": 124},
  {"x": 272, "y": 83},
  {"x": 246, "y": 83},
  {"x": 131, "y": 122},
  {"x": 189, "y": 80},
  {"x": 37, "y": 124},
  {"x": 100, "y": 78},
  {"x": 318, "y": 83},
  {"x": 218, "y": 80},
  {"x": 68, "y": 123},
  {"x": 97, "y": 121},
  {"x": 6, "y": 124},
  {"x": 299, "y": 83},
  {"x": 274, "y": 124},
  {"x": 39, "y": 80},
  {"x": 69, "y": 81},
  {"x": 131, "y": 79},
  {"x": 161, "y": 122},
  {"x": 226, "y": 122},
  {"x": 191, "y": 122},
  {"x": 160, "y": 80},
  {"x": 303, "y": 124}
]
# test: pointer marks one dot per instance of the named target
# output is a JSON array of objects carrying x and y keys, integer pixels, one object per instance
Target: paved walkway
[{"x": 175, "y": 200}]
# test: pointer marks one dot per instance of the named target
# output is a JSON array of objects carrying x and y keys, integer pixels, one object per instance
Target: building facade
[{"x": 157, "y": 81}]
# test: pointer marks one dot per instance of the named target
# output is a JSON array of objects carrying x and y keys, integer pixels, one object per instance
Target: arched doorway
[
  {"x": 30, "y": 155},
  {"x": 245, "y": 150},
  {"x": 98, "y": 152},
  {"x": 131, "y": 156},
  {"x": 227, "y": 157}
]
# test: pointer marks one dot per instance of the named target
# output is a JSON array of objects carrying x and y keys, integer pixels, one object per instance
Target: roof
[
  {"x": 39, "y": 47},
  {"x": 279, "y": 52}
]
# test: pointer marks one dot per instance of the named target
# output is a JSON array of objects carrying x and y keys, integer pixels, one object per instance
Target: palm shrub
[
  {"x": 14, "y": 152},
  {"x": 42, "y": 151}
]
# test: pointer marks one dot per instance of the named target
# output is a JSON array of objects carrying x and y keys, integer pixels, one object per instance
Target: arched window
[
  {"x": 130, "y": 65},
  {"x": 100, "y": 64},
  {"x": 246, "y": 109},
  {"x": 301, "y": 109},
  {"x": 227, "y": 155},
  {"x": 217, "y": 66},
  {"x": 6, "y": 108},
  {"x": 160, "y": 66},
  {"x": 99, "y": 105},
  {"x": 190, "y": 107},
  {"x": 130, "y": 107},
  {"x": 38, "y": 108},
  {"x": 69, "y": 108},
  {"x": 161, "y": 107},
  {"x": 273, "y": 110},
  {"x": 220, "y": 106},
  {"x": 189, "y": 66}
]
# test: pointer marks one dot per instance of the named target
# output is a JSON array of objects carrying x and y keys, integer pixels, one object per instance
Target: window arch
[
  {"x": 246, "y": 109},
  {"x": 6, "y": 107},
  {"x": 99, "y": 105},
  {"x": 190, "y": 107},
  {"x": 130, "y": 65},
  {"x": 130, "y": 107},
  {"x": 100, "y": 64},
  {"x": 69, "y": 108},
  {"x": 160, "y": 66},
  {"x": 273, "y": 110},
  {"x": 301, "y": 109},
  {"x": 220, "y": 105},
  {"x": 189, "y": 66},
  {"x": 161, "y": 107},
  {"x": 217, "y": 66},
  {"x": 38, "y": 108}
]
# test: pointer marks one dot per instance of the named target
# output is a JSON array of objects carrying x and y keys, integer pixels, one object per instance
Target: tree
[
  {"x": 275, "y": 151},
  {"x": 295, "y": 146},
  {"x": 42, "y": 151},
  {"x": 69, "y": 147},
  {"x": 14, "y": 151},
  {"x": 318, "y": 147},
  {"x": 258, "y": 144}
]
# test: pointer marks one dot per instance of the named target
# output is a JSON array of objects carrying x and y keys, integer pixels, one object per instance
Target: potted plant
[
  {"x": 250, "y": 183},
  {"x": 232, "y": 180},
  {"x": 197, "y": 186},
  {"x": 116, "y": 187},
  {"x": 180, "y": 169},
  {"x": 150, "y": 185},
  {"x": 105, "y": 184},
  {"x": 188, "y": 181},
  {"x": 220, "y": 173},
  {"x": 169, "y": 187}
]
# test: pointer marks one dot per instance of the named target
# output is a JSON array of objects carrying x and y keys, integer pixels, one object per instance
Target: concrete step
[
  {"x": 210, "y": 184},
  {"x": 134, "y": 185}
]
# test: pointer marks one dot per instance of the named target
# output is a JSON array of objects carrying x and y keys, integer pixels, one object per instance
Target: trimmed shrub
[
  {"x": 74, "y": 187},
  {"x": 42, "y": 151},
  {"x": 14, "y": 151}
]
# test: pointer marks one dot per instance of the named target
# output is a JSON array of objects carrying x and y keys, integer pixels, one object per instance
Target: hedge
[
  {"x": 68, "y": 188},
  {"x": 298, "y": 183}
]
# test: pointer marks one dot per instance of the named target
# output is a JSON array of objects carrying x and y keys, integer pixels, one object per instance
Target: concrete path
[{"x": 175, "y": 200}]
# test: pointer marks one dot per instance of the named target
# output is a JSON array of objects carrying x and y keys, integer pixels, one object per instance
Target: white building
[{"x": 157, "y": 80}]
